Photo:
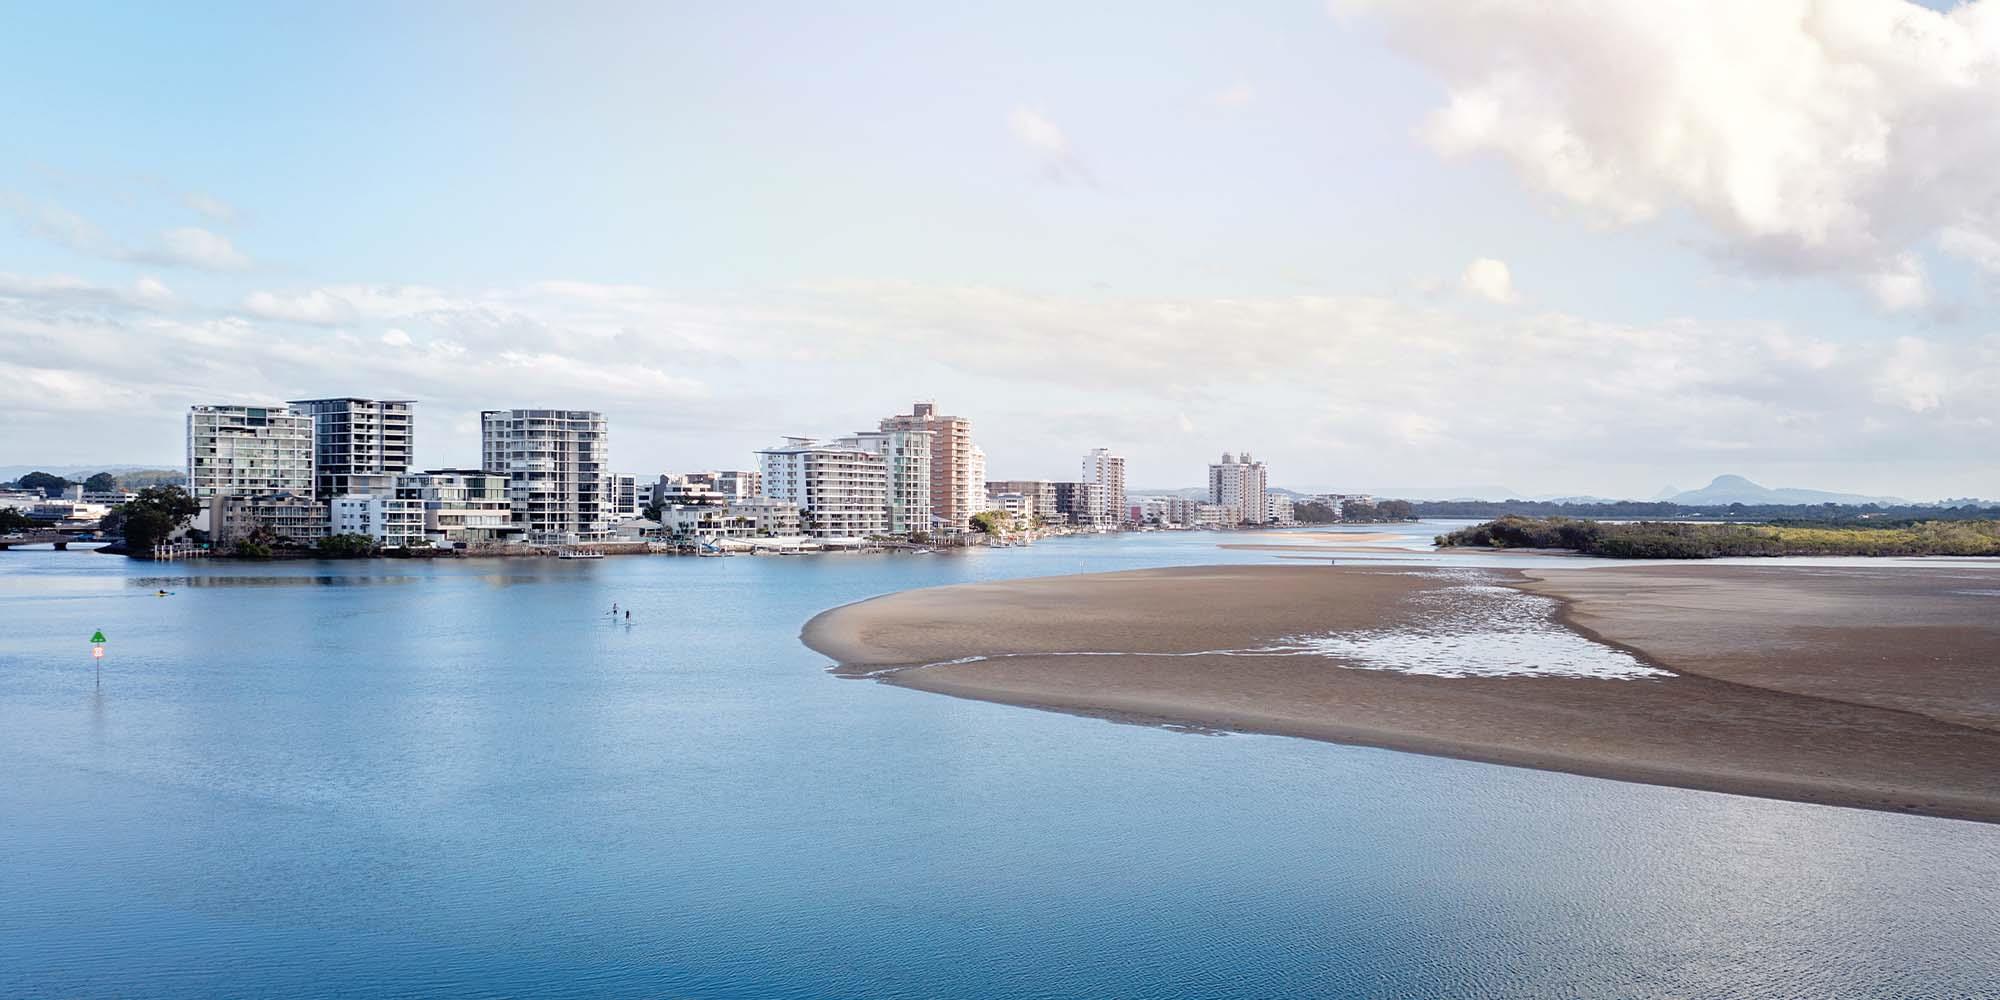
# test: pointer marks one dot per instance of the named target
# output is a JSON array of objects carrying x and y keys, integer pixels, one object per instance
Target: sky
[{"x": 1565, "y": 246}]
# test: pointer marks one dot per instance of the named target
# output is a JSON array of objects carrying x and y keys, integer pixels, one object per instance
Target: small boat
[{"x": 579, "y": 554}]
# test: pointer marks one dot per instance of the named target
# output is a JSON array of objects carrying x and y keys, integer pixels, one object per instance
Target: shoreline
[{"x": 1176, "y": 649}]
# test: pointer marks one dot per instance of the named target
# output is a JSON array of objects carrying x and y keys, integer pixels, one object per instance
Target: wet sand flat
[{"x": 1819, "y": 685}]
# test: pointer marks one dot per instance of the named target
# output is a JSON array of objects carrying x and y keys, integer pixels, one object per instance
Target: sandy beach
[{"x": 1877, "y": 688}]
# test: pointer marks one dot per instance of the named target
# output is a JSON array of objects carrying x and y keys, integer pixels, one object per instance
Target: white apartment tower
[
  {"x": 555, "y": 465},
  {"x": 906, "y": 459},
  {"x": 248, "y": 449},
  {"x": 359, "y": 444},
  {"x": 1108, "y": 470},
  {"x": 840, "y": 488},
  {"x": 956, "y": 492},
  {"x": 1238, "y": 484}
]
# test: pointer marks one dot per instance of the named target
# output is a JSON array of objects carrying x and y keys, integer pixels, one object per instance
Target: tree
[
  {"x": 103, "y": 482},
  {"x": 991, "y": 522},
  {"x": 1314, "y": 512},
  {"x": 151, "y": 517},
  {"x": 348, "y": 546},
  {"x": 50, "y": 485},
  {"x": 12, "y": 520}
]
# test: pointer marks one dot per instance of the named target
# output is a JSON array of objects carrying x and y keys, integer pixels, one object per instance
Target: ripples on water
[
  {"x": 472, "y": 785},
  {"x": 1475, "y": 628}
]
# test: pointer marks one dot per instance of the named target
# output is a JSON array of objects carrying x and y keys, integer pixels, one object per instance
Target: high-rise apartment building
[
  {"x": 1107, "y": 470},
  {"x": 956, "y": 492},
  {"x": 360, "y": 445},
  {"x": 1083, "y": 504},
  {"x": 906, "y": 458},
  {"x": 1239, "y": 484},
  {"x": 248, "y": 449},
  {"x": 555, "y": 465},
  {"x": 840, "y": 488}
]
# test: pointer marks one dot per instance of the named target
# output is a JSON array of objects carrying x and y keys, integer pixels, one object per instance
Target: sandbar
[{"x": 1858, "y": 687}]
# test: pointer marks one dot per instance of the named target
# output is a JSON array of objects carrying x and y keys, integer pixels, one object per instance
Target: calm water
[{"x": 394, "y": 778}]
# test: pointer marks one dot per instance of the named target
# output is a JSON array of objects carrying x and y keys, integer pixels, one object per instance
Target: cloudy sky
[{"x": 1558, "y": 245}]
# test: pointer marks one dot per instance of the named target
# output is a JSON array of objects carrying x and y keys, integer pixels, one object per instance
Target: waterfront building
[
  {"x": 248, "y": 449},
  {"x": 688, "y": 488},
  {"x": 1240, "y": 484},
  {"x": 1217, "y": 515},
  {"x": 621, "y": 496},
  {"x": 463, "y": 506},
  {"x": 1108, "y": 470},
  {"x": 359, "y": 445},
  {"x": 394, "y": 522},
  {"x": 1014, "y": 505},
  {"x": 295, "y": 517},
  {"x": 753, "y": 518},
  {"x": 1038, "y": 496},
  {"x": 1168, "y": 510},
  {"x": 1082, "y": 504},
  {"x": 840, "y": 489},
  {"x": 739, "y": 484},
  {"x": 1278, "y": 510},
  {"x": 956, "y": 493},
  {"x": 555, "y": 465},
  {"x": 906, "y": 458},
  {"x": 975, "y": 464}
]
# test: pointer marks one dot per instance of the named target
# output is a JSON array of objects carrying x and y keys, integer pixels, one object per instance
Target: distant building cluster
[{"x": 314, "y": 468}]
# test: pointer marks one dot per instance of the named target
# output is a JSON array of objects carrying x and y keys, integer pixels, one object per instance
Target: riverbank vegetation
[{"x": 1658, "y": 540}]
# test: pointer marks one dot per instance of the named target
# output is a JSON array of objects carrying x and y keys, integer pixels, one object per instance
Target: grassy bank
[{"x": 1657, "y": 540}]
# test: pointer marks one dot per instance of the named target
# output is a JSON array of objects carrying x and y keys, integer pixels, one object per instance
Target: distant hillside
[
  {"x": 9, "y": 473},
  {"x": 1736, "y": 489}
]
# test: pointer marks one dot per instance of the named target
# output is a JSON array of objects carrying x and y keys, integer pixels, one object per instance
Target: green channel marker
[{"x": 98, "y": 636}]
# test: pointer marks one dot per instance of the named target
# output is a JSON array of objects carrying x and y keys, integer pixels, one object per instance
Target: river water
[{"x": 386, "y": 778}]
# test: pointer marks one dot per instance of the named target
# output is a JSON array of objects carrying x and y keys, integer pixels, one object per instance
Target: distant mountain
[
  {"x": 1736, "y": 489},
  {"x": 1489, "y": 492},
  {"x": 9, "y": 473}
]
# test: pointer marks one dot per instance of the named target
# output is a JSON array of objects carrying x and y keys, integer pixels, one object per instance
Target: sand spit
[{"x": 1861, "y": 687}]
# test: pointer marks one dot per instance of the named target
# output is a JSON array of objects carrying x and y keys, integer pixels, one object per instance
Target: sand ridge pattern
[{"x": 1757, "y": 695}]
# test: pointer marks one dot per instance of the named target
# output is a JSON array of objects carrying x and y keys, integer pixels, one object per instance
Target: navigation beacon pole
[{"x": 97, "y": 654}]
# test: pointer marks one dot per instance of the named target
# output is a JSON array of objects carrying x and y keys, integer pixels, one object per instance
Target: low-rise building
[
  {"x": 1038, "y": 496},
  {"x": 1217, "y": 515},
  {"x": 743, "y": 519},
  {"x": 1168, "y": 510},
  {"x": 393, "y": 522},
  {"x": 293, "y": 517},
  {"x": 463, "y": 506}
]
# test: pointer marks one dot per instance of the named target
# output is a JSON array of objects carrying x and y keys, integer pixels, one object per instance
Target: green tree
[
  {"x": 151, "y": 517},
  {"x": 1314, "y": 512},
  {"x": 12, "y": 520},
  {"x": 103, "y": 482},
  {"x": 349, "y": 546},
  {"x": 50, "y": 485},
  {"x": 991, "y": 522}
]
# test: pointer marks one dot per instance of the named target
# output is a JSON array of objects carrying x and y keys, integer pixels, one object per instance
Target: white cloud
[
  {"x": 192, "y": 246},
  {"x": 1452, "y": 389},
  {"x": 1059, "y": 162},
  {"x": 1829, "y": 136},
  {"x": 1237, "y": 95},
  {"x": 186, "y": 246},
  {"x": 1900, "y": 287},
  {"x": 210, "y": 207},
  {"x": 1489, "y": 279}
]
